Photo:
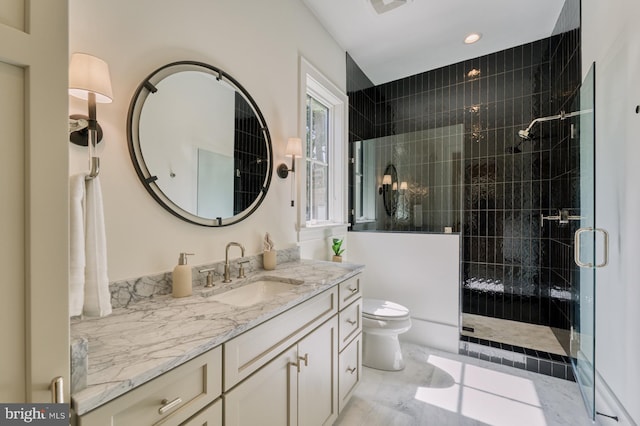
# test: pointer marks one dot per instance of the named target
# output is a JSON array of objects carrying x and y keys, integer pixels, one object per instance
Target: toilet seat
[{"x": 383, "y": 310}]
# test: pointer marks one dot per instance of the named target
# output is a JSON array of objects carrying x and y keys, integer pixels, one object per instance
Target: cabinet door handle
[
  {"x": 351, "y": 370},
  {"x": 352, "y": 290},
  {"x": 304, "y": 358},
  {"x": 57, "y": 390},
  {"x": 168, "y": 405},
  {"x": 297, "y": 364},
  {"x": 352, "y": 322}
]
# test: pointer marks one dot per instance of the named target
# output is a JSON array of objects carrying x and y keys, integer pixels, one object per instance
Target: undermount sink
[{"x": 255, "y": 292}]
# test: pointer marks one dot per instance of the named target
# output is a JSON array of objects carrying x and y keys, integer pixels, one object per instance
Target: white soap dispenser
[{"x": 182, "y": 277}]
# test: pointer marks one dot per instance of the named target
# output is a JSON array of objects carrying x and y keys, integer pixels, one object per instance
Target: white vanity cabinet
[
  {"x": 350, "y": 338},
  {"x": 310, "y": 381},
  {"x": 298, "y": 368},
  {"x": 284, "y": 372},
  {"x": 208, "y": 416},
  {"x": 169, "y": 399},
  {"x": 298, "y": 387}
]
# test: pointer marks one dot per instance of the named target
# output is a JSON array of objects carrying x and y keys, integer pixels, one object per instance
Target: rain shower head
[{"x": 524, "y": 134}]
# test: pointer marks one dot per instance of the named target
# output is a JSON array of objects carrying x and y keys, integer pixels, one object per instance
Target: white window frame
[{"x": 313, "y": 82}]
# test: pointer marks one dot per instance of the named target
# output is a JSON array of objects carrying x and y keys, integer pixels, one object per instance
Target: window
[
  {"x": 317, "y": 161},
  {"x": 323, "y": 126},
  {"x": 364, "y": 178}
]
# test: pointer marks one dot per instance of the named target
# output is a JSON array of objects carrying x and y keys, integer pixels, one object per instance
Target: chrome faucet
[{"x": 227, "y": 278}]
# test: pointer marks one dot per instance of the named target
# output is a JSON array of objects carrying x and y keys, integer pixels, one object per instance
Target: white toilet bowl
[{"x": 382, "y": 321}]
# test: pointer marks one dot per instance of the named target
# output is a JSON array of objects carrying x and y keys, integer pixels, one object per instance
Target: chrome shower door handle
[
  {"x": 605, "y": 236},
  {"x": 576, "y": 248}
]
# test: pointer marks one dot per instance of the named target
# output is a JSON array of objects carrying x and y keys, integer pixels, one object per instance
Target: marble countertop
[{"x": 144, "y": 340}]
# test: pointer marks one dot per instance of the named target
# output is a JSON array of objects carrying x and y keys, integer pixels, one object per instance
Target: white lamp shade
[
  {"x": 394, "y": 187},
  {"x": 404, "y": 186},
  {"x": 294, "y": 148},
  {"x": 386, "y": 180},
  {"x": 88, "y": 74}
]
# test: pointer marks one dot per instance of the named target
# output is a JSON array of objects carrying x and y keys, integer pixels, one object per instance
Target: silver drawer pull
[
  {"x": 168, "y": 405},
  {"x": 351, "y": 370},
  {"x": 352, "y": 290},
  {"x": 352, "y": 322}
]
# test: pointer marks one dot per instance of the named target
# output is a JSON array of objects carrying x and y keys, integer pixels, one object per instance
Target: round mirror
[{"x": 199, "y": 144}]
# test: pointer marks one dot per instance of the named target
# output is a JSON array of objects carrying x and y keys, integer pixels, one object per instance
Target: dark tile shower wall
[
  {"x": 565, "y": 174},
  {"x": 361, "y": 92},
  {"x": 509, "y": 263}
]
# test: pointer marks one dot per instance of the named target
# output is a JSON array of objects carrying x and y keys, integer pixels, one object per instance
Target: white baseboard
[
  {"x": 432, "y": 334},
  {"x": 607, "y": 403}
]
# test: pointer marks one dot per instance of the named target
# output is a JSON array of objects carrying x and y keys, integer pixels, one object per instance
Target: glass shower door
[{"x": 585, "y": 238}]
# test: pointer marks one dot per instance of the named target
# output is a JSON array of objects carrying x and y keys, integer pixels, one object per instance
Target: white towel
[
  {"x": 97, "y": 299},
  {"x": 76, "y": 243},
  {"x": 88, "y": 280}
]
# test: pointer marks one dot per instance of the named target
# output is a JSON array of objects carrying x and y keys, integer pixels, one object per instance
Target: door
[
  {"x": 268, "y": 397},
  {"x": 585, "y": 241},
  {"x": 33, "y": 189},
  {"x": 318, "y": 379}
]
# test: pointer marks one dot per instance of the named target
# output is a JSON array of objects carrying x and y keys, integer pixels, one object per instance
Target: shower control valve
[{"x": 563, "y": 217}]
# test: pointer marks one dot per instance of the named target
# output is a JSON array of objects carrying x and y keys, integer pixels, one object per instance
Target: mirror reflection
[
  {"x": 390, "y": 189},
  {"x": 199, "y": 144}
]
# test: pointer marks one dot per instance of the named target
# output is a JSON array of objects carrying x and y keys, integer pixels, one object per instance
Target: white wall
[
  {"x": 258, "y": 43},
  {"x": 611, "y": 39},
  {"x": 419, "y": 271}
]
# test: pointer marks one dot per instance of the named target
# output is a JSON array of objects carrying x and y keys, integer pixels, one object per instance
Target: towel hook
[{"x": 80, "y": 134}]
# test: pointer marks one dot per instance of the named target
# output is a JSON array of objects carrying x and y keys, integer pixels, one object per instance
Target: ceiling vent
[{"x": 383, "y": 6}]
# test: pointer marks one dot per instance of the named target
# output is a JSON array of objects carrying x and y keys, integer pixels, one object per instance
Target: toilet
[{"x": 382, "y": 322}]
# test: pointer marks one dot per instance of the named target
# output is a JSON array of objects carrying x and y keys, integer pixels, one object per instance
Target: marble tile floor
[
  {"x": 532, "y": 336},
  {"x": 440, "y": 389}
]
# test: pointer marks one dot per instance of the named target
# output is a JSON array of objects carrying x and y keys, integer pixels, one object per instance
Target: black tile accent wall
[
  {"x": 512, "y": 268},
  {"x": 250, "y": 153},
  {"x": 541, "y": 362},
  {"x": 361, "y": 92}
]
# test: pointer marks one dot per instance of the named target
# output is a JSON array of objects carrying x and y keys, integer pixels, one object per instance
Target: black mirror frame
[{"x": 148, "y": 180}]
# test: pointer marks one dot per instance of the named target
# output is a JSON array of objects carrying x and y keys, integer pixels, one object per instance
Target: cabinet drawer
[
  {"x": 349, "y": 367},
  {"x": 210, "y": 416},
  {"x": 350, "y": 322},
  {"x": 349, "y": 290},
  {"x": 190, "y": 387},
  {"x": 248, "y": 352}
]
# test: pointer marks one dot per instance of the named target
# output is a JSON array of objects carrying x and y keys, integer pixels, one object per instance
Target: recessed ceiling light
[{"x": 472, "y": 38}]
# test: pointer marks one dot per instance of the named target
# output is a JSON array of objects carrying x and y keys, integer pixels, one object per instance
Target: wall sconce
[
  {"x": 386, "y": 180},
  {"x": 293, "y": 150},
  {"x": 90, "y": 80}
]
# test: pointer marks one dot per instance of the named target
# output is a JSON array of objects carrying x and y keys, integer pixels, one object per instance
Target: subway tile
[
  {"x": 515, "y": 86},
  {"x": 545, "y": 367},
  {"x": 532, "y": 364},
  {"x": 559, "y": 370}
]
